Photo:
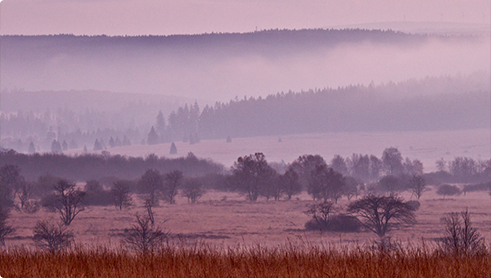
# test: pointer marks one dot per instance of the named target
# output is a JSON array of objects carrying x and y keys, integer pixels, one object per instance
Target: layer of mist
[{"x": 222, "y": 66}]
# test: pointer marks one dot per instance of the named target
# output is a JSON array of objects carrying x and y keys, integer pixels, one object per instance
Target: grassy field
[
  {"x": 427, "y": 146},
  {"x": 224, "y": 236},
  {"x": 284, "y": 261},
  {"x": 226, "y": 219}
]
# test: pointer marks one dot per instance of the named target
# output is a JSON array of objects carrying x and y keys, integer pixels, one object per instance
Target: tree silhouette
[
  {"x": 380, "y": 214},
  {"x": 173, "y": 181},
  {"x": 150, "y": 184},
  {"x": 173, "y": 149},
  {"x": 251, "y": 174},
  {"x": 121, "y": 194},
  {"x": 153, "y": 138},
  {"x": 68, "y": 202}
]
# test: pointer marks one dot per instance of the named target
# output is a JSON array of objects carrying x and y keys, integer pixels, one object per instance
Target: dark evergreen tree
[
  {"x": 97, "y": 145},
  {"x": 173, "y": 149},
  {"x": 111, "y": 142},
  {"x": 153, "y": 138},
  {"x": 64, "y": 145},
  {"x": 56, "y": 147},
  {"x": 32, "y": 149}
]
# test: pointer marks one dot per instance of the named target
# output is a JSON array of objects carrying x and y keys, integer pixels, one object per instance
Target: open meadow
[
  {"x": 227, "y": 219},
  {"x": 224, "y": 236}
]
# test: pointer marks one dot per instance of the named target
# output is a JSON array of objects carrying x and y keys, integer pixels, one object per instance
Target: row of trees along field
[
  {"x": 35, "y": 175},
  {"x": 251, "y": 175}
]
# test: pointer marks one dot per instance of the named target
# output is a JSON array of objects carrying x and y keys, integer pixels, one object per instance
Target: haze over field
[{"x": 243, "y": 123}]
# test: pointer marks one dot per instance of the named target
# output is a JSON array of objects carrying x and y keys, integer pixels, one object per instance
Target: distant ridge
[{"x": 429, "y": 27}]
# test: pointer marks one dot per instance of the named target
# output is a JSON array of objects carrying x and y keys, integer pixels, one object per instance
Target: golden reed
[{"x": 201, "y": 260}]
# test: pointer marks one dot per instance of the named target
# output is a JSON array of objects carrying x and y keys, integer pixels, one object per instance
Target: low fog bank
[{"x": 222, "y": 66}]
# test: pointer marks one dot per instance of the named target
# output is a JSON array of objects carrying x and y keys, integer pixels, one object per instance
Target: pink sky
[{"x": 163, "y": 17}]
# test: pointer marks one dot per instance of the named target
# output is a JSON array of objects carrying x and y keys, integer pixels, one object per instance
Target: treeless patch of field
[
  {"x": 427, "y": 146},
  {"x": 226, "y": 219}
]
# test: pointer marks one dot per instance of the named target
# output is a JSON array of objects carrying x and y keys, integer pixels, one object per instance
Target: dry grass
[
  {"x": 201, "y": 260},
  {"x": 233, "y": 221}
]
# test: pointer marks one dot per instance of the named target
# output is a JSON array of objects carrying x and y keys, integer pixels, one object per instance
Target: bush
[
  {"x": 51, "y": 237},
  {"x": 98, "y": 198},
  {"x": 31, "y": 207},
  {"x": 414, "y": 204},
  {"x": 337, "y": 223},
  {"x": 450, "y": 190},
  {"x": 344, "y": 223}
]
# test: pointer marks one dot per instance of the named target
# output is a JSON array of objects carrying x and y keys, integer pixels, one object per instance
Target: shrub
[
  {"x": 414, "y": 204},
  {"x": 450, "y": 190},
  {"x": 51, "y": 237},
  {"x": 337, "y": 223},
  {"x": 98, "y": 198}
]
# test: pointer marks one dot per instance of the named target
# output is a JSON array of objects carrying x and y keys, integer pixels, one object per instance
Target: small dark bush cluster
[
  {"x": 98, "y": 198},
  {"x": 338, "y": 223},
  {"x": 413, "y": 204}
]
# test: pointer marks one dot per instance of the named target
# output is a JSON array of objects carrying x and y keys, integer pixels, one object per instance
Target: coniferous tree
[
  {"x": 56, "y": 147},
  {"x": 153, "y": 138},
  {"x": 173, "y": 149},
  {"x": 32, "y": 149}
]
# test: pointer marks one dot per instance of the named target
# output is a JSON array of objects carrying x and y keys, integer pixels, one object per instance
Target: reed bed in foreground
[{"x": 201, "y": 260}]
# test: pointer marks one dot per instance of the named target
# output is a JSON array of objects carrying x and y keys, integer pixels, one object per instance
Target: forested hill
[
  {"x": 443, "y": 103},
  {"x": 45, "y": 46},
  {"x": 199, "y": 66}
]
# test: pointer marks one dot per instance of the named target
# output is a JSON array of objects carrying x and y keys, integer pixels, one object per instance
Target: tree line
[{"x": 429, "y": 104}]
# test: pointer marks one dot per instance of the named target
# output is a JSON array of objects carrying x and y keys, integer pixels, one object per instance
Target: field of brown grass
[
  {"x": 283, "y": 261},
  {"x": 226, "y": 219}
]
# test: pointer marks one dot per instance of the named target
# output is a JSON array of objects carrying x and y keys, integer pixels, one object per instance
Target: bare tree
[
  {"x": 192, "y": 189},
  {"x": 151, "y": 183},
  {"x": 172, "y": 182},
  {"x": 144, "y": 237},
  {"x": 69, "y": 201},
  {"x": 148, "y": 207},
  {"x": 51, "y": 237},
  {"x": 5, "y": 229},
  {"x": 380, "y": 213},
  {"x": 24, "y": 193},
  {"x": 417, "y": 184},
  {"x": 460, "y": 237},
  {"x": 121, "y": 194}
]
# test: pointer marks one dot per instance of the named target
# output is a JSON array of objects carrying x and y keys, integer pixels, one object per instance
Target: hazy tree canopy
[
  {"x": 91, "y": 166},
  {"x": 10, "y": 182},
  {"x": 252, "y": 175},
  {"x": 325, "y": 183},
  {"x": 172, "y": 182},
  {"x": 151, "y": 184},
  {"x": 392, "y": 161}
]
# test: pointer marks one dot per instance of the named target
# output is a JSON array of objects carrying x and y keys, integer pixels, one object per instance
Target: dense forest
[{"x": 443, "y": 103}]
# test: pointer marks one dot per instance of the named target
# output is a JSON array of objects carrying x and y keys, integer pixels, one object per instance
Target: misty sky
[{"x": 163, "y": 17}]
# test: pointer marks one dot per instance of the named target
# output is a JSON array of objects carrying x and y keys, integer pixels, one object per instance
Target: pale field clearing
[
  {"x": 427, "y": 146},
  {"x": 232, "y": 221}
]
